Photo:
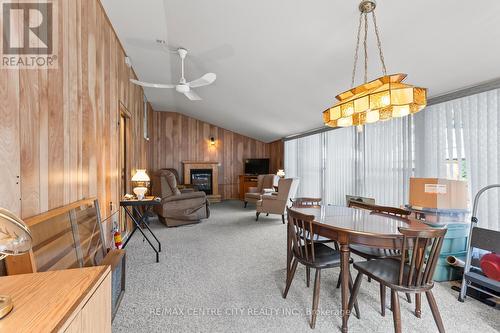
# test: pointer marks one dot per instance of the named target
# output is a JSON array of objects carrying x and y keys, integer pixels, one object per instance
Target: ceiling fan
[{"x": 183, "y": 87}]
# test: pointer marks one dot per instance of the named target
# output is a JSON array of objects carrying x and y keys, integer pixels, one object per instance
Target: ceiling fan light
[{"x": 182, "y": 88}]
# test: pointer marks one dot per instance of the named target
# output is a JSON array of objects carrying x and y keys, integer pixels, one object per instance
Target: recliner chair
[
  {"x": 178, "y": 208},
  {"x": 184, "y": 188}
]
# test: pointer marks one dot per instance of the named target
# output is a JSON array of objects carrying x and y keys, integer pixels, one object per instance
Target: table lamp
[
  {"x": 15, "y": 239},
  {"x": 141, "y": 179},
  {"x": 281, "y": 173}
]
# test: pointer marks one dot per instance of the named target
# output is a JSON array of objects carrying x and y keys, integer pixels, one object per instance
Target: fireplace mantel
[
  {"x": 195, "y": 162},
  {"x": 214, "y": 166}
]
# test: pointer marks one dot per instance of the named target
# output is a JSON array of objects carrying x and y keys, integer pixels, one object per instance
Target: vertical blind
[
  {"x": 310, "y": 166},
  {"x": 458, "y": 139},
  {"x": 304, "y": 160},
  {"x": 340, "y": 168},
  {"x": 480, "y": 120},
  {"x": 387, "y": 161}
]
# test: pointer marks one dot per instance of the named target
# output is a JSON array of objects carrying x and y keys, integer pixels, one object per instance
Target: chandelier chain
[
  {"x": 357, "y": 51},
  {"x": 371, "y": 102},
  {"x": 365, "y": 48},
  {"x": 379, "y": 43}
]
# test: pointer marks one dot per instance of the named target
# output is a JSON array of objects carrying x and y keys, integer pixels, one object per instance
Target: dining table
[{"x": 353, "y": 226}]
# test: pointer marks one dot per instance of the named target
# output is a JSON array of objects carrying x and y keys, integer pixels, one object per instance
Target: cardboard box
[{"x": 438, "y": 193}]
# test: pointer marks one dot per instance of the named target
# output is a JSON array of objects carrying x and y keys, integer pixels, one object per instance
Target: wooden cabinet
[
  {"x": 95, "y": 316},
  {"x": 244, "y": 183},
  {"x": 72, "y": 300}
]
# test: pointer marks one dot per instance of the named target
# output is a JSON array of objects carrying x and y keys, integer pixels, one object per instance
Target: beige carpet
[{"x": 227, "y": 274}]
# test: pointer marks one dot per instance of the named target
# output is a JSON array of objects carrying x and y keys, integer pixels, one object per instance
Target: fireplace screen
[{"x": 202, "y": 179}]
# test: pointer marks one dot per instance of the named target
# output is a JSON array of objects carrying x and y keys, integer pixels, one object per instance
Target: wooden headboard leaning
[{"x": 66, "y": 237}]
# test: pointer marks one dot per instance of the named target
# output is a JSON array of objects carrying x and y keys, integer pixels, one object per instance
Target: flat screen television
[{"x": 257, "y": 166}]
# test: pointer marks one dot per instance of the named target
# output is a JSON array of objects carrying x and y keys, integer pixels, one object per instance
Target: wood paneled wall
[
  {"x": 277, "y": 153},
  {"x": 176, "y": 138},
  {"x": 59, "y": 128}
]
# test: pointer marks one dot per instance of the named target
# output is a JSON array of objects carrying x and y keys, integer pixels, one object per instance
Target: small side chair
[
  {"x": 411, "y": 273},
  {"x": 312, "y": 203},
  {"x": 370, "y": 253},
  {"x": 308, "y": 252}
]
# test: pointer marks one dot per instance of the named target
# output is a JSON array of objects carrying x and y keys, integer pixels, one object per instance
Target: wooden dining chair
[
  {"x": 400, "y": 212},
  {"x": 304, "y": 202},
  {"x": 312, "y": 254},
  {"x": 370, "y": 253},
  {"x": 411, "y": 273},
  {"x": 312, "y": 203}
]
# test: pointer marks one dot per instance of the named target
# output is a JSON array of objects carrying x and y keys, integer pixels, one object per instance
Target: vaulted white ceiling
[{"x": 280, "y": 63}]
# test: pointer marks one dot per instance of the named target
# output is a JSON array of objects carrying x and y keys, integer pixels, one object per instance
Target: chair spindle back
[
  {"x": 419, "y": 255},
  {"x": 302, "y": 234},
  {"x": 380, "y": 209}
]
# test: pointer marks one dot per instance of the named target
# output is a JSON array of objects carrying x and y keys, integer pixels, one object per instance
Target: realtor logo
[{"x": 29, "y": 34}]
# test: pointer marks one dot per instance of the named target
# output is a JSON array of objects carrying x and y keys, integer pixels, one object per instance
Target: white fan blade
[
  {"x": 192, "y": 95},
  {"x": 205, "y": 80},
  {"x": 152, "y": 85}
]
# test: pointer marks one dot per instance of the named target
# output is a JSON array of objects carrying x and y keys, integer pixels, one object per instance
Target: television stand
[{"x": 246, "y": 181}]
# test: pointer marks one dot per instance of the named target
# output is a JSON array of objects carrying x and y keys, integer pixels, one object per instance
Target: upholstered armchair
[
  {"x": 276, "y": 203},
  {"x": 263, "y": 182},
  {"x": 184, "y": 188},
  {"x": 178, "y": 208}
]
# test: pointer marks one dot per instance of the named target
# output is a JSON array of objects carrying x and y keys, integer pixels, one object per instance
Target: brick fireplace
[{"x": 205, "y": 175}]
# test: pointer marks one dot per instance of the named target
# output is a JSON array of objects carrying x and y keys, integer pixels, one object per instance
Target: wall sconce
[{"x": 212, "y": 141}]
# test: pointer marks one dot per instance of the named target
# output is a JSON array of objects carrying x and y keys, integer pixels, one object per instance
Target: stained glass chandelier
[{"x": 381, "y": 99}]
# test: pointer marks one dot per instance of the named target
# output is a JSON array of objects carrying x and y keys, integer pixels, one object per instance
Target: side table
[{"x": 131, "y": 207}]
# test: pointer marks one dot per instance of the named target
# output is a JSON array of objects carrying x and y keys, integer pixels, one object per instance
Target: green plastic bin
[
  {"x": 455, "y": 240},
  {"x": 454, "y": 244}
]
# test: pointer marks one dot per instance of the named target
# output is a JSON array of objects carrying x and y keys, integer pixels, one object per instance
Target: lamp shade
[
  {"x": 140, "y": 176},
  {"x": 15, "y": 239},
  {"x": 15, "y": 236},
  {"x": 281, "y": 173},
  {"x": 381, "y": 99}
]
